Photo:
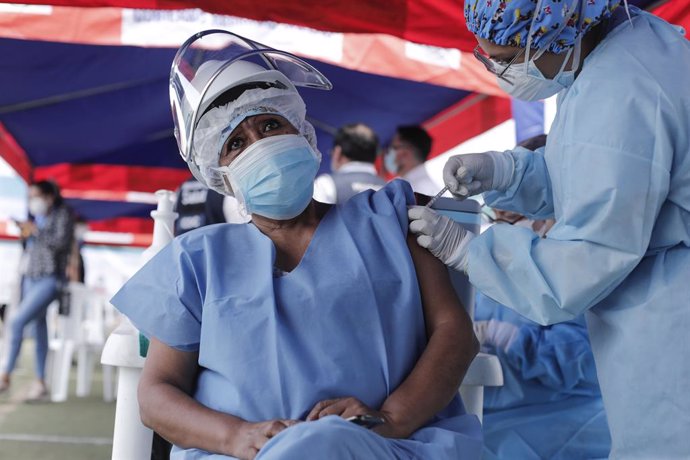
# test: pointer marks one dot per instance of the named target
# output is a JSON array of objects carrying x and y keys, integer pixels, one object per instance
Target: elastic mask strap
[
  {"x": 528, "y": 47},
  {"x": 539, "y": 53},
  {"x": 576, "y": 54},
  {"x": 627, "y": 11},
  {"x": 565, "y": 62}
]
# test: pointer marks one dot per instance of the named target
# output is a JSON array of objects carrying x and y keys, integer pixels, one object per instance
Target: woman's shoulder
[
  {"x": 215, "y": 232},
  {"x": 397, "y": 193},
  {"x": 389, "y": 202}
]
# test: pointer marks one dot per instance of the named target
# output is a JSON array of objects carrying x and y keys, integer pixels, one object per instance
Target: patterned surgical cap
[{"x": 507, "y": 22}]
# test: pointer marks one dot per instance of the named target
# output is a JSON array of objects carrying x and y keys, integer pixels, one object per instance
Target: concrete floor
[{"x": 78, "y": 429}]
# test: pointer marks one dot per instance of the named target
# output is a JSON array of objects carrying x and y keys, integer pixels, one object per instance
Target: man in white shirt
[
  {"x": 406, "y": 155},
  {"x": 354, "y": 151}
]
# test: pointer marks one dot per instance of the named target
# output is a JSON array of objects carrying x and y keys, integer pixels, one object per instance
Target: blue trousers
[{"x": 37, "y": 294}]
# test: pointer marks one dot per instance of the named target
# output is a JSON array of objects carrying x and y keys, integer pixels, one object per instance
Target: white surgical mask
[
  {"x": 529, "y": 84},
  {"x": 38, "y": 206}
]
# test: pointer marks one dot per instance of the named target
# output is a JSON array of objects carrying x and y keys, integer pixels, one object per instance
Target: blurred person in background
[
  {"x": 197, "y": 206},
  {"x": 354, "y": 151},
  {"x": 406, "y": 155},
  {"x": 48, "y": 238}
]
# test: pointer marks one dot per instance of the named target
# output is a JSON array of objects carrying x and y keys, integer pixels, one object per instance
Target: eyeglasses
[{"x": 491, "y": 65}]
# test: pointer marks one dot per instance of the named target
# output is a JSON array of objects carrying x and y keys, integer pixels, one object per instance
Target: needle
[{"x": 437, "y": 196}]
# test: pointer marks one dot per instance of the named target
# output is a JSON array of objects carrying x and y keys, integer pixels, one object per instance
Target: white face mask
[
  {"x": 38, "y": 206},
  {"x": 80, "y": 232},
  {"x": 390, "y": 161},
  {"x": 529, "y": 84}
]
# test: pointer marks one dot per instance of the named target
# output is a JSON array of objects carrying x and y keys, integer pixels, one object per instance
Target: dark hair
[
  {"x": 236, "y": 91},
  {"x": 533, "y": 143},
  {"x": 418, "y": 138},
  {"x": 49, "y": 188},
  {"x": 358, "y": 142}
]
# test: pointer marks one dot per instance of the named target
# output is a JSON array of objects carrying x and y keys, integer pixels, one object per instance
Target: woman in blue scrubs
[
  {"x": 615, "y": 174},
  {"x": 267, "y": 337}
]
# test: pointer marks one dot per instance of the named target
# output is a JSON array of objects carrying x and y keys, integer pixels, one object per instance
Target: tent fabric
[
  {"x": 117, "y": 103},
  {"x": 379, "y": 54},
  {"x": 432, "y": 22},
  {"x": 96, "y": 116}
]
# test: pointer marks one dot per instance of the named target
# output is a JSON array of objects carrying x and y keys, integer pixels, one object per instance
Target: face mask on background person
[
  {"x": 273, "y": 177},
  {"x": 389, "y": 161},
  {"x": 80, "y": 232},
  {"x": 38, "y": 206}
]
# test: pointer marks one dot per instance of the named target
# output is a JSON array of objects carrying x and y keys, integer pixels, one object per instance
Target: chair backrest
[{"x": 467, "y": 213}]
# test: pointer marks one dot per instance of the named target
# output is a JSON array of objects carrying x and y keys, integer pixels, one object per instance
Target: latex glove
[
  {"x": 495, "y": 335},
  {"x": 443, "y": 237},
  {"x": 474, "y": 173}
]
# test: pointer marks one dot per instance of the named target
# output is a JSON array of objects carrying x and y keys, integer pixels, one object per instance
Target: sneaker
[{"x": 37, "y": 394}]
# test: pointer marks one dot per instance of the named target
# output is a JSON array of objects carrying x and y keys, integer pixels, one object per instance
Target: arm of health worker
[
  {"x": 436, "y": 377},
  {"x": 530, "y": 189},
  {"x": 610, "y": 197},
  {"x": 165, "y": 406},
  {"x": 559, "y": 356}
]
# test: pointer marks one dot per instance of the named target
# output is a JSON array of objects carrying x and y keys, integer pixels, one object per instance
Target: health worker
[{"x": 615, "y": 174}]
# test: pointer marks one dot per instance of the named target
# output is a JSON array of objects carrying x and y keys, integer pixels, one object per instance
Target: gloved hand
[
  {"x": 443, "y": 237},
  {"x": 470, "y": 174},
  {"x": 496, "y": 335}
]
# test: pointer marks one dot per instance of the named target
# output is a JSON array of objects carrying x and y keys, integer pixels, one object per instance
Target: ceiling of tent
[
  {"x": 97, "y": 117},
  {"x": 422, "y": 21}
]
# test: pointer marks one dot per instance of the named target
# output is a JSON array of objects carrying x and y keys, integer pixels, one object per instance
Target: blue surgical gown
[
  {"x": 615, "y": 174},
  {"x": 347, "y": 321},
  {"x": 549, "y": 405}
]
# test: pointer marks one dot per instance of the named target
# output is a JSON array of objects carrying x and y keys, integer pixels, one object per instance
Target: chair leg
[
  {"x": 61, "y": 365},
  {"x": 85, "y": 367},
  {"x": 108, "y": 386}
]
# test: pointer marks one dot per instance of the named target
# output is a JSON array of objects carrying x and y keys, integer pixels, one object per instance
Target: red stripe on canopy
[
  {"x": 112, "y": 177},
  {"x": 677, "y": 12},
  {"x": 468, "y": 118},
  {"x": 142, "y": 227},
  {"x": 432, "y": 22},
  {"x": 14, "y": 154}
]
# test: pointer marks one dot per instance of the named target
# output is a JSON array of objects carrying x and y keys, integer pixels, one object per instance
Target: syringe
[{"x": 437, "y": 196}]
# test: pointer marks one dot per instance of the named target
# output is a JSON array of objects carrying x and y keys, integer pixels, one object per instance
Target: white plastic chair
[
  {"x": 131, "y": 439},
  {"x": 81, "y": 332}
]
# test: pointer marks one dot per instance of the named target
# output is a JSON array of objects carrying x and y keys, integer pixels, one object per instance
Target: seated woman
[{"x": 266, "y": 337}]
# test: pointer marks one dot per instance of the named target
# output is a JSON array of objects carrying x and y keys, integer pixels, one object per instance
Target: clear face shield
[{"x": 203, "y": 57}]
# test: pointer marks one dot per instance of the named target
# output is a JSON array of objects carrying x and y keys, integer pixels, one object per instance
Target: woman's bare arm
[
  {"x": 167, "y": 407},
  {"x": 451, "y": 347}
]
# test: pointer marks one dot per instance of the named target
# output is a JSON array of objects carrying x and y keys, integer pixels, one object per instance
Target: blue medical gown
[
  {"x": 615, "y": 174},
  {"x": 347, "y": 321},
  {"x": 549, "y": 405}
]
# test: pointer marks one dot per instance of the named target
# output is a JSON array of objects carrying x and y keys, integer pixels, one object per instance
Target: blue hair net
[{"x": 507, "y": 22}]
